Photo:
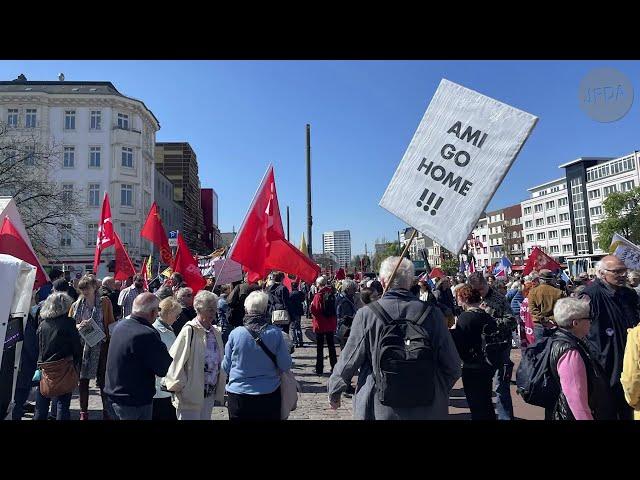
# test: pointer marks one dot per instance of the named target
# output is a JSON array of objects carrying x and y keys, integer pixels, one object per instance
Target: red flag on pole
[
  {"x": 261, "y": 246},
  {"x": 124, "y": 267},
  {"x": 105, "y": 232},
  {"x": 153, "y": 230},
  {"x": 143, "y": 272},
  {"x": 12, "y": 243},
  {"x": 539, "y": 260},
  {"x": 185, "y": 264}
]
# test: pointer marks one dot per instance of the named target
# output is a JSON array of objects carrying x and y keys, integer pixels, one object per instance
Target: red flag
[
  {"x": 143, "y": 272},
  {"x": 340, "y": 275},
  {"x": 153, "y": 230},
  {"x": 287, "y": 283},
  {"x": 436, "y": 272},
  {"x": 12, "y": 243},
  {"x": 260, "y": 245},
  {"x": 105, "y": 232},
  {"x": 539, "y": 260},
  {"x": 185, "y": 264},
  {"x": 124, "y": 267}
]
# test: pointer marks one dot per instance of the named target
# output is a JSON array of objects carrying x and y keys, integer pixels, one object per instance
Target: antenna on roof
[{"x": 61, "y": 77}]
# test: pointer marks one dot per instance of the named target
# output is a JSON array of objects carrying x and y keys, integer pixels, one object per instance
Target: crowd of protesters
[{"x": 173, "y": 355}]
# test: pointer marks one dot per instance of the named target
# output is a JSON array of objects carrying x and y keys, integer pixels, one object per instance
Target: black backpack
[
  {"x": 495, "y": 340},
  {"x": 534, "y": 378},
  {"x": 329, "y": 303},
  {"x": 404, "y": 368}
]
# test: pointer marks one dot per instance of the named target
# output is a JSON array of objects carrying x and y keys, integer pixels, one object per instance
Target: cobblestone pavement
[{"x": 313, "y": 403}]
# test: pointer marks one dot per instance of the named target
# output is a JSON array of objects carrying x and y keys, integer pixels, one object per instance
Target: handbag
[
  {"x": 289, "y": 386},
  {"x": 58, "y": 377},
  {"x": 280, "y": 317}
]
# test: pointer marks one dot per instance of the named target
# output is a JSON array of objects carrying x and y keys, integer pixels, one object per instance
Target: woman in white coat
[{"x": 195, "y": 377}]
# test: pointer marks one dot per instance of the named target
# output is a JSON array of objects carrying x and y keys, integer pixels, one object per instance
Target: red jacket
[{"x": 321, "y": 323}]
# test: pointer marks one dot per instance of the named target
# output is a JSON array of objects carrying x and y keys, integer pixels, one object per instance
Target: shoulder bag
[{"x": 289, "y": 386}]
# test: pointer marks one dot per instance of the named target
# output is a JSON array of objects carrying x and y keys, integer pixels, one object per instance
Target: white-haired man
[
  {"x": 399, "y": 323},
  {"x": 136, "y": 355},
  {"x": 614, "y": 309}
]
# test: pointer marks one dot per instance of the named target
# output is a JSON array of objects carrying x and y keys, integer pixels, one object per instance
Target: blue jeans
[
  {"x": 62, "y": 404},
  {"x": 296, "y": 330},
  {"x": 504, "y": 405},
  {"x": 128, "y": 412}
]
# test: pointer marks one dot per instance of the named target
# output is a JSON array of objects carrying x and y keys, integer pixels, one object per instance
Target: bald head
[
  {"x": 612, "y": 271},
  {"x": 146, "y": 306},
  {"x": 109, "y": 282}
]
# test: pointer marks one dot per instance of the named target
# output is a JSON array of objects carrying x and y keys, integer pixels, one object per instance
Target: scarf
[{"x": 255, "y": 321}]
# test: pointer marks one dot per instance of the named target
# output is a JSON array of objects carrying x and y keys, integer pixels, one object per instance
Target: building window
[
  {"x": 562, "y": 202},
  {"x": 537, "y": 208},
  {"x": 126, "y": 195},
  {"x": 565, "y": 232},
  {"x": 127, "y": 157},
  {"x": 551, "y": 219},
  {"x": 528, "y": 224},
  {"x": 529, "y": 250},
  {"x": 12, "y": 117},
  {"x": 530, "y": 237},
  {"x": 596, "y": 245},
  {"x": 610, "y": 189},
  {"x": 539, "y": 222},
  {"x": 527, "y": 210},
  {"x": 30, "y": 155},
  {"x": 564, "y": 217},
  {"x": 553, "y": 234},
  {"x": 541, "y": 236},
  {"x": 69, "y": 157},
  {"x": 94, "y": 194},
  {"x": 595, "y": 210},
  {"x": 626, "y": 186},
  {"x": 30, "y": 118},
  {"x": 550, "y": 204},
  {"x": 94, "y": 156},
  {"x": 96, "y": 120},
  {"x": 484, "y": 239},
  {"x": 567, "y": 248},
  {"x": 554, "y": 249},
  {"x": 123, "y": 121},
  {"x": 69, "y": 119},
  {"x": 67, "y": 192},
  {"x": 92, "y": 234},
  {"x": 594, "y": 194},
  {"x": 65, "y": 236}
]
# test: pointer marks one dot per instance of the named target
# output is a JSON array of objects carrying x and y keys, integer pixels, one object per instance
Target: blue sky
[{"x": 241, "y": 115}]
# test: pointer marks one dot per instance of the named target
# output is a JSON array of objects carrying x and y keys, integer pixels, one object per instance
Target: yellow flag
[
  {"x": 303, "y": 246},
  {"x": 149, "y": 273},
  {"x": 167, "y": 272}
]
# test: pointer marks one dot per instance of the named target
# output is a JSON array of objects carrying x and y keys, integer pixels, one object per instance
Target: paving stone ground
[{"x": 313, "y": 403}]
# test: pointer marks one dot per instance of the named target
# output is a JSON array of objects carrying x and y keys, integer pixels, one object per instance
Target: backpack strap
[
  {"x": 384, "y": 316},
  {"x": 256, "y": 336}
]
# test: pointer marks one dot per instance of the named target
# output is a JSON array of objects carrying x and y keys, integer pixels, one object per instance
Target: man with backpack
[
  {"x": 407, "y": 359},
  {"x": 323, "y": 310}
]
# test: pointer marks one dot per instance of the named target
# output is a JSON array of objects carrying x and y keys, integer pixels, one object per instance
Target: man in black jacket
[
  {"x": 136, "y": 356},
  {"x": 109, "y": 290},
  {"x": 236, "y": 302},
  {"x": 614, "y": 309},
  {"x": 184, "y": 296},
  {"x": 278, "y": 298}
]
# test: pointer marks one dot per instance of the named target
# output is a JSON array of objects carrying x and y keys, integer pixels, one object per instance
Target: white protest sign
[
  {"x": 461, "y": 151},
  {"x": 227, "y": 271},
  {"x": 626, "y": 251}
]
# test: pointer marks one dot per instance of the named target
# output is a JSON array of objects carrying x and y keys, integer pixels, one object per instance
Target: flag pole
[{"x": 393, "y": 274}]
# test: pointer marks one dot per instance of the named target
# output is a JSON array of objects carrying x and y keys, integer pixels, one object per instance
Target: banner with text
[
  {"x": 626, "y": 251},
  {"x": 461, "y": 151}
]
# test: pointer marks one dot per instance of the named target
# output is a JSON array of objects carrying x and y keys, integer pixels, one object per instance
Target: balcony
[{"x": 129, "y": 137}]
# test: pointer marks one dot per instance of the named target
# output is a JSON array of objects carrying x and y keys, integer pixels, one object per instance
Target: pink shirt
[{"x": 573, "y": 379}]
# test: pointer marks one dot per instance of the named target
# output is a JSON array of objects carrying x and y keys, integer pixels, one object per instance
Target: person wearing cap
[
  {"x": 542, "y": 299},
  {"x": 614, "y": 310},
  {"x": 210, "y": 281}
]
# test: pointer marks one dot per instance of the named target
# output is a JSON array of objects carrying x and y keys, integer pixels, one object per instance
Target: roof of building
[
  {"x": 585, "y": 159},
  {"x": 67, "y": 87},
  {"x": 545, "y": 184}
]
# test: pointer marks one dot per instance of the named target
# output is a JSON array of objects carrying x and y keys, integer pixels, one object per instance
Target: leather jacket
[{"x": 599, "y": 393}]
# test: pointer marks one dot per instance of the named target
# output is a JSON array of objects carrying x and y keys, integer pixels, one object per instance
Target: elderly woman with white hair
[
  {"x": 195, "y": 376},
  {"x": 584, "y": 390},
  {"x": 254, "y": 374}
]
